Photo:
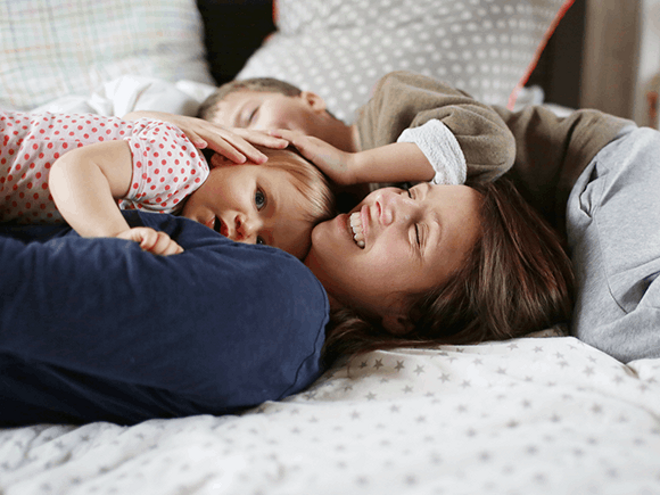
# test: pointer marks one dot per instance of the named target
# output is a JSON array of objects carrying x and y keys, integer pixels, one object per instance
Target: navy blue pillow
[{"x": 97, "y": 329}]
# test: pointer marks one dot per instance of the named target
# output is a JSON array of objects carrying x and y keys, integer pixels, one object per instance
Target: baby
[{"x": 79, "y": 168}]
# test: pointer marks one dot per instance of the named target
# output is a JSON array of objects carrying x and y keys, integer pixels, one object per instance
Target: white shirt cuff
[{"x": 441, "y": 149}]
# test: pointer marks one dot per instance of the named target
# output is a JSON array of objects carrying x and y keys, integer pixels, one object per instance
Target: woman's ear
[
  {"x": 315, "y": 102},
  {"x": 398, "y": 325}
]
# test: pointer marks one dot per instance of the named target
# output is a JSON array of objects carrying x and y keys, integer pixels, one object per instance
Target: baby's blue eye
[
  {"x": 259, "y": 199},
  {"x": 260, "y": 240}
]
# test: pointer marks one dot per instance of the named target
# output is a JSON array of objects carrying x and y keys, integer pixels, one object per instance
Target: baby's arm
[
  {"x": 232, "y": 143},
  {"x": 85, "y": 184}
]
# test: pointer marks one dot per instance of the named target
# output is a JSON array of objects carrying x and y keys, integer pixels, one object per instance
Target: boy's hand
[
  {"x": 340, "y": 166},
  {"x": 152, "y": 241},
  {"x": 232, "y": 143}
]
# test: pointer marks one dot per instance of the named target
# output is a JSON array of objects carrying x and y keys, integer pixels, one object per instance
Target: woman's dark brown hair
[{"x": 516, "y": 279}]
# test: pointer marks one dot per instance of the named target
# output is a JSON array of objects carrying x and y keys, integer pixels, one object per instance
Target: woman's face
[{"x": 395, "y": 243}]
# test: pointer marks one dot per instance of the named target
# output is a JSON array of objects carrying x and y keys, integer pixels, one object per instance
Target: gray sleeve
[{"x": 613, "y": 226}]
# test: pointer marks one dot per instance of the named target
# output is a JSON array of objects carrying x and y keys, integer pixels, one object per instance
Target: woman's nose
[{"x": 395, "y": 207}]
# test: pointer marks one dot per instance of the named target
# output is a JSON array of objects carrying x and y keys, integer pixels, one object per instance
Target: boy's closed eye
[{"x": 250, "y": 116}]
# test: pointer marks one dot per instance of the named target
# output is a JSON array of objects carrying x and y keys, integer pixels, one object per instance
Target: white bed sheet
[{"x": 528, "y": 416}]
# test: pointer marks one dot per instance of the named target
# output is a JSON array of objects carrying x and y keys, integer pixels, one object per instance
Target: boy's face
[
  {"x": 254, "y": 204},
  {"x": 261, "y": 110}
]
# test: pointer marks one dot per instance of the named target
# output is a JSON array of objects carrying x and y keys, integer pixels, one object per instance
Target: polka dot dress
[{"x": 166, "y": 166}]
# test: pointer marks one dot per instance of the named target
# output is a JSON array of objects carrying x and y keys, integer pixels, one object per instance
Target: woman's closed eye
[{"x": 417, "y": 238}]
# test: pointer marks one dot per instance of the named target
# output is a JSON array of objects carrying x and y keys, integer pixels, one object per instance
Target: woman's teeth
[{"x": 356, "y": 227}]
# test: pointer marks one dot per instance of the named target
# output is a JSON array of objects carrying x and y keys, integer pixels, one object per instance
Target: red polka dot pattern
[
  {"x": 164, "y": 161},
  {"x": 165, "y": 166}
]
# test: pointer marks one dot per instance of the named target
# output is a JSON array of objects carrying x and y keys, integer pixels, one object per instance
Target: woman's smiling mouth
[{"x": 355, "y": 221}]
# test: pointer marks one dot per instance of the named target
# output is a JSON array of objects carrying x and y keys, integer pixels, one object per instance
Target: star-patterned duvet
[{"x": 527, "y": 416}]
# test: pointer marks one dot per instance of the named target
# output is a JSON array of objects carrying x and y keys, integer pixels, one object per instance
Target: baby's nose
[{"x": 245, "y": 229}]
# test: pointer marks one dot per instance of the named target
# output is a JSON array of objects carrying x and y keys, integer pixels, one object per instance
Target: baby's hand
[
  {"x": 340, "y": 166},
  {"x": 152, "y": 241}
]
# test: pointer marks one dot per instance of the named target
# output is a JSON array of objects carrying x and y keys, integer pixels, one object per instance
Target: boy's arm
[
  {"x": 232, "y": 143},
  {"x": 396, "y": 162},
  {"x": 85, "y": 184},
  {"x": 404, "y": 101}
]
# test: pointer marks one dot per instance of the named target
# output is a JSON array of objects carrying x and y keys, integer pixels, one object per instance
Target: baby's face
[
  {"x": 260, "y": 110},
  {"x": 255, "y": 204}
]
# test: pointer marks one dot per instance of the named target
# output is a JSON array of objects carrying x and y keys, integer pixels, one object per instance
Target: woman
[{"x": 594, "y": 178}]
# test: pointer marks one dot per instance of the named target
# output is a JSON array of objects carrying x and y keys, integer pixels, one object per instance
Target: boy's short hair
[
  {"x": 209, "y": 107},
  {"x": 307, "y": 179}
]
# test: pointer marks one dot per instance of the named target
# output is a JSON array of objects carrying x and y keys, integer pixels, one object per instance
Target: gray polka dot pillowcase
[{"x": 340, "y": 48}]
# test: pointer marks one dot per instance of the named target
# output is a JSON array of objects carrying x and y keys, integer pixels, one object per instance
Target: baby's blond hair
[{"x": 307, "y": 179}]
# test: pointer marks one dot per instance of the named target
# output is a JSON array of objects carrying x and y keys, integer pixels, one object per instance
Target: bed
[{"x": 546, "y": 414}]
